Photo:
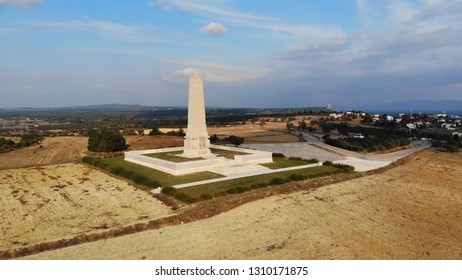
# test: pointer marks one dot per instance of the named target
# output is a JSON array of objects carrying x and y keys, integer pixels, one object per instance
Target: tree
[
  {"x": 343, "y": 128},
  {"x": 30, "y": 139},
  {"x": 106, "y": 141},
  {"x": 214, "y": 139},
  {"x": 302, "y": 125},
  {"x": 155, "y": 131},
  {"x": 235, "y": 140}
]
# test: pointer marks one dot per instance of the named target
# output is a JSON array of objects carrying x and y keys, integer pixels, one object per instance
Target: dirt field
[
  {"x": 145, "y": 142},
  {"x": 248, "y": 130},
  {"x": 49, "y": 203},
  {"x": 413, "y": 211},
  {"x": 53, "y": 150}
]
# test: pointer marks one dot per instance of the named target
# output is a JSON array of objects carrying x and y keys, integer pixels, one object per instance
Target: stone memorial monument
[
  {"x": 196, "y": 143},
  {"x": 197, "y": 147}
]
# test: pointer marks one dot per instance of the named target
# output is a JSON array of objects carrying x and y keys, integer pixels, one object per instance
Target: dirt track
[{"x": 413, "y": 211}]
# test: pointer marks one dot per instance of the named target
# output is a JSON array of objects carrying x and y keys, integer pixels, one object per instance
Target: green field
[
  {"x": 226, "y": 153},
  {"x": 172, "y": 156},
  {"x": 164, "y": 179},
  {"x": 220, "y": 187},
  {"x": 153, "y": 178},
  {"x": 285, "y": 162}
]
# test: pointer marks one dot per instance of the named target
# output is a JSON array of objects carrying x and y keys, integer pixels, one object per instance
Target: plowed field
[{"x": 49, "y": 203}]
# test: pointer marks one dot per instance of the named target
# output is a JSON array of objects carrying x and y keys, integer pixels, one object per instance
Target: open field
[
  {"x": 58, "y": 150},
  {"x": 145, "y": 142},
  {"x": 413, "y": 211},
  {"x": 53, "y": 150},
  {"x": 58, "y": 201},
  {"x": 271, "y": 132}
]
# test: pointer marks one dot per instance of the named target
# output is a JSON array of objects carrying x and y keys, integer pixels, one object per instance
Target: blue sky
[{"x": 252, "y": 53}]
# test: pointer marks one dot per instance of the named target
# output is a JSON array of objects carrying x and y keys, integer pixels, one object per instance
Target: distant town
[{"x": 133, "y": 120}]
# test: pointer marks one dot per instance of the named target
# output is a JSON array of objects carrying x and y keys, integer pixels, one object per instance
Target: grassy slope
[
  {"x": 164, "y": 178},
  {"x": 284, "y": 162},
  {"x": 216, "y": 188}
]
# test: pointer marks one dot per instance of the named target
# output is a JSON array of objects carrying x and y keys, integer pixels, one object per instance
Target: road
[{"x": 316, "y": 148}]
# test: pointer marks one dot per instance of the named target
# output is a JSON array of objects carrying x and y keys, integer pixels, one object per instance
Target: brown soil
[
  {"x": 54, "y": 150},
  {"x": 248, "y": 130},
  {"x": 145, "y": 142},
  {"x": 412, "y": 211},
  {"x": 49, "y": 203}
]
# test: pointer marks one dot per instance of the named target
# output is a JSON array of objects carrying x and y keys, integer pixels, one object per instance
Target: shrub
[
  {"x": 328, "y": 163},
  {"x": 205, "y": 196},
  {"x": 277, "y": 181},
  {"x": 313, "y": 160},
  {"x": 345, "y": 167},
  {"x": 259, "y": 186},
  {"x": 169, "y": 191},
  {"x": 185, "y": 198},
  {"x": 137, "y": 178},
  {"x": 152, "y": 184},
  {"x": 88, "y": 160},
  {"x": 295, "y": 158},
  {"x": 117, "y": 170},
  {"x": 279, "y": 155},
  {"x": 451, "y": 148},
  {"x": 126, "y": 173},
  {"x": 296, "y": 177},
  {"x": 235, "y": 140},
  {"x": 437, "y": 144}
]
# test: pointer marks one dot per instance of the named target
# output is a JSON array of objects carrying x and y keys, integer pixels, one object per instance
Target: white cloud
[
  {"x": 5, "y": 30},
  {"x": 401, "y": 11},
  {"x": 424, "y": 43},
  {"x": 20, "y": 3},
  {"x": 217, "y": 10},
  {"x": 161, "y": 4},
  {"x": 214, "y": 28},
  {"x": 186, "y": 72},
  {"x": 215, "y": 72},
  {"x": 100, "y": 26}
]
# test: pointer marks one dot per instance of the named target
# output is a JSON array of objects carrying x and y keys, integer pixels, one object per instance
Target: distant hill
[{"x": 146, "y": 111}]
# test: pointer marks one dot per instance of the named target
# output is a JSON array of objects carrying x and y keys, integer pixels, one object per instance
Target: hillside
[{"x": 412, "y": 211}]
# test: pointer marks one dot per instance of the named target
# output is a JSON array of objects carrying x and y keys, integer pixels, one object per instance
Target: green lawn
[
  {"x": 226, "y": 153},
  {"x": 172, "y": 156},
  {"x": 284, "y": 162},
  {"x": 219, "y": 187},
  {"x": 164, "y": 179}
]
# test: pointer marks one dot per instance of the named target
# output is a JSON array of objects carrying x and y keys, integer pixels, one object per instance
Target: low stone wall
[
  {"x": 174, "y": 168},
  {"x": 182, "y": 168}
]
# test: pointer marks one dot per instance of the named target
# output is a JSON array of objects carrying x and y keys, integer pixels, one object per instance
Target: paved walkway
[
  {"x": 316, "y": 148},
  {"x": 245, "y": 174},
  {"x": 313, "y": 148}
]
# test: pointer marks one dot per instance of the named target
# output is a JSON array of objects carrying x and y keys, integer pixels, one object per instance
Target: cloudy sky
[{"x": 255, "y": 53}]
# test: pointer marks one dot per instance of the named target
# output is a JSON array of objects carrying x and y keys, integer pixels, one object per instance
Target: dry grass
[
  {"x": 53, "y": 150},
  {"x": 49, "y": 203},
  {"x": 412, "y": 211}
]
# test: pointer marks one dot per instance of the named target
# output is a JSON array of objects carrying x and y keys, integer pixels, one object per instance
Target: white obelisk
[{"x": 196, "y": 143}]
